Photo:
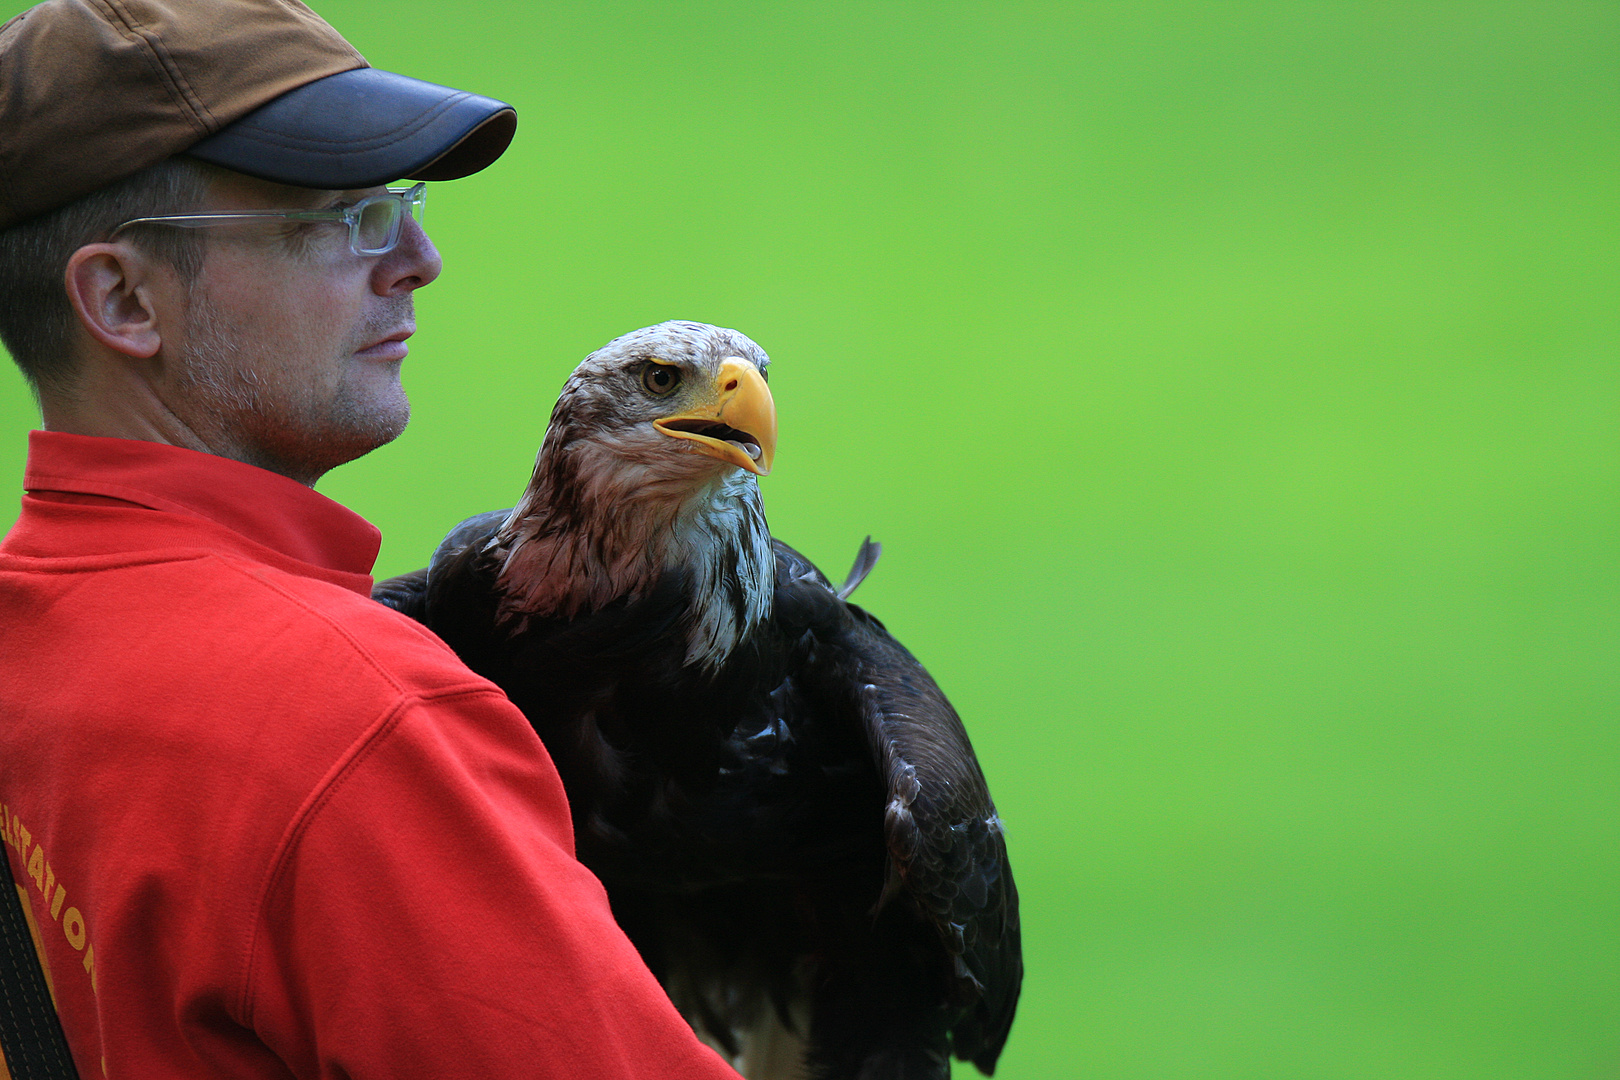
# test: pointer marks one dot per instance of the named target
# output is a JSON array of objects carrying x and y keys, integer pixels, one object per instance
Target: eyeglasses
[{"x": 374, "y": 222}]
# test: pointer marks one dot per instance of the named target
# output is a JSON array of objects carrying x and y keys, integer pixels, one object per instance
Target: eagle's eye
[{"x": 659, "y": 378}]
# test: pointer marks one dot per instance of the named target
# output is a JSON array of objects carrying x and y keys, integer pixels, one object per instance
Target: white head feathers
[{"x": 615, "y": 504}]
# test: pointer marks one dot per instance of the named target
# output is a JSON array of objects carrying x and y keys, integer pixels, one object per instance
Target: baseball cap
[{"x": 94, "y": 90}]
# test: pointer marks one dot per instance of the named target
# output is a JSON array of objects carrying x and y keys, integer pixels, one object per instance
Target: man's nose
[{"x": 413, "y": 262}]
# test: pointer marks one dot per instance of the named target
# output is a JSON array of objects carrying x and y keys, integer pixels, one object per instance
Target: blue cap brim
[{"x": 362, "y": 128}]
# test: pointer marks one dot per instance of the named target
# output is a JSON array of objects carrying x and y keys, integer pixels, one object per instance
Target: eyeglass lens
[
  {"x": 381, "y": 217},
  {"x": 378, "y": 226}
]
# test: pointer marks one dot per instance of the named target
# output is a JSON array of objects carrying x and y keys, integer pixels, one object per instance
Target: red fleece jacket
[{"x": 267, "y": 827}]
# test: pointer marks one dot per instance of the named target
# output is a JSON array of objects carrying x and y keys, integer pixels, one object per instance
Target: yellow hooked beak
[{"x": 735, "y": 421}]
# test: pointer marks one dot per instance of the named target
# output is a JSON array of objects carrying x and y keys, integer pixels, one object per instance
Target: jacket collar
[{"x": 263, "y": 507}]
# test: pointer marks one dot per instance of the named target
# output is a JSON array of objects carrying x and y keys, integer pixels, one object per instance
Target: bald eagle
[{"x": 784, "y": 808}]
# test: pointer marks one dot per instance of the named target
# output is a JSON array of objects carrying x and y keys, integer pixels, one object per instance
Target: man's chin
[
  {"x": 372, "y": 412},
  {"x": 348, "y": 433},
  {"x": 377, "y": 427}
]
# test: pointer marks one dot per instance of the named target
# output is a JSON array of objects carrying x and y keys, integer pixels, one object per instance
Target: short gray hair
[{"x": 36, "y": 318}]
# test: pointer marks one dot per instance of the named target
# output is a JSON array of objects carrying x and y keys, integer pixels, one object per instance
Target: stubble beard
[{"x": 296, "y": 435}]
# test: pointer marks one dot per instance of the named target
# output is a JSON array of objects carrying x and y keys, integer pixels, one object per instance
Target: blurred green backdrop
[{"x": 1233, "y": 387}]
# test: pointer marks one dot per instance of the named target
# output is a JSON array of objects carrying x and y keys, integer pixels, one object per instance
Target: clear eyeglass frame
[{"x": 375, "y": 222}]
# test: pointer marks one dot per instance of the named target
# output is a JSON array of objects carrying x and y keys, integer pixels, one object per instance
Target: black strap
[{"x": 30, "y": 1033}]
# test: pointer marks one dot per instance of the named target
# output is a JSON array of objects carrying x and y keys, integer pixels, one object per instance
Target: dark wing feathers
[
  {"x": 947, "y": 850},
  {"x": 947, "y": 853},
  {"x": 467, "y": 539},
  {"x": 406, "y": 594}
]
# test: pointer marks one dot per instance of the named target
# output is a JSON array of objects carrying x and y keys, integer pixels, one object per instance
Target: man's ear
[{"x": 115, "y": 289}]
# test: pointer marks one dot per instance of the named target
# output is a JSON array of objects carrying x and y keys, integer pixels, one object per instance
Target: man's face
[{"x": 287, "y": 351}]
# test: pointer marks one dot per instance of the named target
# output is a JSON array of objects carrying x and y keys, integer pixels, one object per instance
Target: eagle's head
[
  {"x": 656, "y": 397},
  {"x": 648, "y": 467}
]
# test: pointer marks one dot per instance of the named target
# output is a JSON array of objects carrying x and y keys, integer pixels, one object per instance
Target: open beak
[{"x": 736, "y": 421}]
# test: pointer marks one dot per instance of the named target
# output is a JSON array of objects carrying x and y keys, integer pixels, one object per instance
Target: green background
[{"x": 1233, "y": 387}]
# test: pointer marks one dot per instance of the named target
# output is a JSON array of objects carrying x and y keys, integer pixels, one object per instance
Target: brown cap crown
[{"x": 94, "y": 90}]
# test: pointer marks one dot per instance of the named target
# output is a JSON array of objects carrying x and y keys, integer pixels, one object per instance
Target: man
[{"x": 264, "y": 826}]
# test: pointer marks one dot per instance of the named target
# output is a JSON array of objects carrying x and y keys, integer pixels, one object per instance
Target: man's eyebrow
[
  {"x": 337, "y": 200},
  {"x": 353, "y": 195},
  {"x": 323, "y": 198}
]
